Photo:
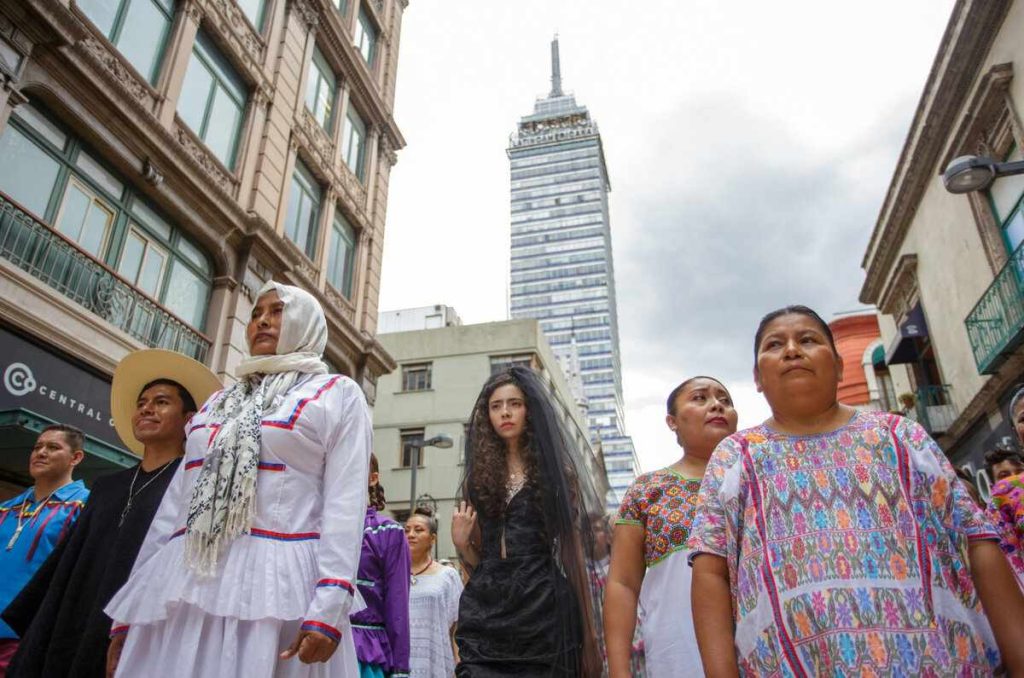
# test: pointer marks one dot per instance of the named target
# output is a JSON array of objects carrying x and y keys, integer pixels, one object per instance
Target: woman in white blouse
[
  {"x": 247, "y": 569},
  {"x": 433, "y": 601}
]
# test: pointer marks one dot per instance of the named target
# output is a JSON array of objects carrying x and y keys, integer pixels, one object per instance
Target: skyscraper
[{"x": 561, "y": 260}]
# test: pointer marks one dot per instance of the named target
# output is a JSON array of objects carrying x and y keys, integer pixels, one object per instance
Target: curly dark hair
[
  {"x": 490, "y": 470},
  {"x": 377, "y": 500}
]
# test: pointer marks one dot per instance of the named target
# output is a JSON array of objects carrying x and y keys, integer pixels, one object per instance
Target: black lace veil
[{"x": 564, "y": 473}]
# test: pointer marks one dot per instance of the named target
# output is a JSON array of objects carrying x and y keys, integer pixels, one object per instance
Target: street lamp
[
  {"x": 442, "y": 442},
  {"x": 976, "y": 173}
]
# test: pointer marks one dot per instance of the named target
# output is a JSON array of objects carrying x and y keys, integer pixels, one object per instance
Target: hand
[
  {"x": 311, "y": 646},
  {"x": 114, "y": 653},
  {"x": 463, "y": 524}
]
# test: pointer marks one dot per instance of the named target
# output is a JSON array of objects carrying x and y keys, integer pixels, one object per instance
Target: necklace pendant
[
  {"x": 412, "y": 580},
  {"x": 14, "y": 537},
  {"x": 124, "y": 513}
]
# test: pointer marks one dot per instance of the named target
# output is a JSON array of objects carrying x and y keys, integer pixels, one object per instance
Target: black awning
[{"x": 905, "y": 348}]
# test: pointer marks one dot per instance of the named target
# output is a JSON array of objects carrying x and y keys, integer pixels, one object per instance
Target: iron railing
[
  {"x": 39, "y": 250},
  {"x": 995, "y": 326},
  {"x": 935, "y": 409}
]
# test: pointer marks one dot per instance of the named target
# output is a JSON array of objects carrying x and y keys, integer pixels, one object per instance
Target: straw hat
[{"x": 141, "y": 367}]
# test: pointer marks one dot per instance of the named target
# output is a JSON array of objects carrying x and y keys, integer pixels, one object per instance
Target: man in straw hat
[{"x": 60, "y": 612}]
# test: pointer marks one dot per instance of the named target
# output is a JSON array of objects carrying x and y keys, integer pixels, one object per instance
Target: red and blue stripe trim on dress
[
  {"x": 320, "y": 627},
  {"x": 339, "y": 583},
  {"x": 268, "y": 534}
]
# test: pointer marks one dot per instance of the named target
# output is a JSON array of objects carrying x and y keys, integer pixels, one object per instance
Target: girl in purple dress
[{"x": 381, "y": 631}]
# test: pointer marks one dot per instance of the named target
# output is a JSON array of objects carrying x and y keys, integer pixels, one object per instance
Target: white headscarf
[{"x": 223, "y": 503}]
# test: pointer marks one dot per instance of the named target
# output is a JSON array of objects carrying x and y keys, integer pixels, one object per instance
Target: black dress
[
  {"x": 518, "y": 615},
  {"x": 59, "y": 614}
]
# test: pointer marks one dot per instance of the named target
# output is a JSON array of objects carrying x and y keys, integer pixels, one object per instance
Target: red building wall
[{"x": 853, "y": 334}]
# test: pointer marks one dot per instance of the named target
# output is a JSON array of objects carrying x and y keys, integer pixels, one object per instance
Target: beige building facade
[
  {"x": 439, "y": 376},
  {"x": 944, "y": 269},
  {"x": 160, "y": 159}
]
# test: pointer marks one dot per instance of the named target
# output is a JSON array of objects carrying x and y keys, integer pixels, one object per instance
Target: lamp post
[
  {"x": 976, "y": 173},
  {"x": 440, "y": 441}
]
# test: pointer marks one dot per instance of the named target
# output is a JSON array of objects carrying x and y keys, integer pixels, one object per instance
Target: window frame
[
  {"x": 352, "y": 239},
  {"x": 366, "y": 27},
  {"x": 412, "y": 369},
  {"x": 318, "y": 64},
  {"x": 117, "y": 29},
  {"x": 405, "y": 434},
  {"x": 307, "y": 183},
  {"x": 360, "y": 169},
  {"x": 224, "y": 77}
]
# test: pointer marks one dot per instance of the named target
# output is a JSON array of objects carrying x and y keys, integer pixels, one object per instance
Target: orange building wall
[{"x": 853, "y": 335}]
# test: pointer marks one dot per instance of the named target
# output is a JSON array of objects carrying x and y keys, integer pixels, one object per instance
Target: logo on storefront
[{"x": 18, "y": 379}]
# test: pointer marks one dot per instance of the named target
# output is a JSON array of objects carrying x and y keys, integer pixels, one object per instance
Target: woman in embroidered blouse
[
  {"x": 649, "y": 558},
  {"x": 1006, "y": 497},
  {"x": 526, "y": 610},
  {"x": 381, "y": 631},
  {"x": 248, "y": 567},
  {"x": 829, "y": 541},
  {"x": 433, "y": 600}
]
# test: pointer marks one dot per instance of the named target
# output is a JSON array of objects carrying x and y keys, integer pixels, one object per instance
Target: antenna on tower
[{"x": 556, "y": 69}]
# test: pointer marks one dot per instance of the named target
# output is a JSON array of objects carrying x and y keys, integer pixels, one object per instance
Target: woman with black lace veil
[{"x": 522, "y": 531}]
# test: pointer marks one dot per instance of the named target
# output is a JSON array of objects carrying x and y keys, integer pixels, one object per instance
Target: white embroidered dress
[
  {"x": 433, "y": 608},
  {"x": 293, "y": 570}
]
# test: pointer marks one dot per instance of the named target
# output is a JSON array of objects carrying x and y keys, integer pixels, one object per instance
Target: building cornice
[{"x": 965, "y": 44}]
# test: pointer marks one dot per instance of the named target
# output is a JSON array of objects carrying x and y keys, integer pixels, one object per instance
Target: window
[
  {"x": 254, "y": 11},
  {"x": 1005, "y": 197},
  {"x": 85, "y": 217},
  {"x": 341, "y": 255},
  {"x": 303, "y": 210},
  {"x": 410, "y": 450},
  {"x": 503, "y": 362},
  {"x": 321, "y": 86},
  {"x": 213, "y": 100},
  {"x": 342, "y": 6},
  {"x": 416, "y": 377},
  {"x": 74, "y": 192},
  {"x": 366, "y": 37},
  {"x": 353, "y": 146},
  {"x": 138, "y": 28}
]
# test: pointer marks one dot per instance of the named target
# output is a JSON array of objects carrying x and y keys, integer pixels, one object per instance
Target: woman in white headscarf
[{"x": 249, "y": 565}]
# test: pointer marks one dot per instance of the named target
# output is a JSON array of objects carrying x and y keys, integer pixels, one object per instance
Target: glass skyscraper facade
[{"x": 561, "y": 261}]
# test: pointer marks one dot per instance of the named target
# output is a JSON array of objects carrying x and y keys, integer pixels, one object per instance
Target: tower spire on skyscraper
[{"x": 556, "y": 69}]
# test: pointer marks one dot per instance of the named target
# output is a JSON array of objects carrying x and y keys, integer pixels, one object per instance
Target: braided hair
[{"x": 377, "y": 499}]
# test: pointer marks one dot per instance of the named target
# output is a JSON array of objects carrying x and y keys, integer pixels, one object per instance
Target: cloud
[{"x": 716, "y": 235}]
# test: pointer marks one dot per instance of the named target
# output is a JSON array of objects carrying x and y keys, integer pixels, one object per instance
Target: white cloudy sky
[{"x": 749, "y": 146}]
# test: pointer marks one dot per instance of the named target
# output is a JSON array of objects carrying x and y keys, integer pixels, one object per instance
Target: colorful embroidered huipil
[
  {"x": 1006, "y": 510},
  {"x": 43, "y": 524},
  {"x": 381, "y": 631},
  {"x": 294, "y": 569},
  {"x": 662, "y": 504},
  {"x": 847, "y": 552}
]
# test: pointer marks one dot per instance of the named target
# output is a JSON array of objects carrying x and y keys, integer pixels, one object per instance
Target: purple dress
[{"x": 381, "y": 631}]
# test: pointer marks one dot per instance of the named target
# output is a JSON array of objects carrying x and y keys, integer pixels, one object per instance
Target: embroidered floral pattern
[
  {"x": 847, "y": 552},
  {"x": 1006, "y": 509},
  {"x": 662, "y": 503}
]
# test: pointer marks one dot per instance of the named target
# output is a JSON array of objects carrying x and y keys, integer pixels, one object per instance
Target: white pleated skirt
[{"x": 192, "y": 643}]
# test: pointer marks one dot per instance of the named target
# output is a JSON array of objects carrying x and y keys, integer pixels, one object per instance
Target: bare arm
[
  {"x": 711, "y": 605},
  {"x": 621, "y": 595},
  {"x": 1001, "y": 597}
]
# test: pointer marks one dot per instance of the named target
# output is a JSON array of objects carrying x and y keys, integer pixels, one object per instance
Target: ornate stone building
[
  {"x": 159, "y": 159},
  {"x": 945, "y": 270}
]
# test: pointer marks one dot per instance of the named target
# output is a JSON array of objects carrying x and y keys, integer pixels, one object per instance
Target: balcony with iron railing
[
  {"x": 995, "y": 326},
  {"x": 34, "y": 247},
  {"x": 934, "y": 409}
]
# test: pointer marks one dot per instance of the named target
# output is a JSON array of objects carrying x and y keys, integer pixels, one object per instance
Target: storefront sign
[{"x": 43, "y": 382}]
